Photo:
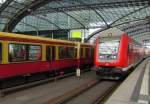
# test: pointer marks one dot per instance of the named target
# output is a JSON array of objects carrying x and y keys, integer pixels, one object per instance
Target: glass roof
[{"x": 36, "y": 15}]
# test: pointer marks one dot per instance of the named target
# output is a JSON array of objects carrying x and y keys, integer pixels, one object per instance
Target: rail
[{"x": 70, "y": 95}]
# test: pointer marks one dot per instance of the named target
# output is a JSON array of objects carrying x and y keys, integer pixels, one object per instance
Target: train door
[
  {"x": 0, "y": 53},
  {"x": 50, "y": 53},
  {"x": 50, "y": 57}
]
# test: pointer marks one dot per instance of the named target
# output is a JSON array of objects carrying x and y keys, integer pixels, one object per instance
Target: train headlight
[
  {"x": 115, "y": 57},
  {"x": 101, "y": 57}
]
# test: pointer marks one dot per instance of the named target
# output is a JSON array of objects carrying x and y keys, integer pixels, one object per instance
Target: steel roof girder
[
  {"x": 47, "y": 20},
  {"x": 129, "y": 14},
  {"x": 23, "y": 12}
]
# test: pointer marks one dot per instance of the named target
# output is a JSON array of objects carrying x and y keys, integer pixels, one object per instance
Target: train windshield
[{"x": 108, "y": 49}]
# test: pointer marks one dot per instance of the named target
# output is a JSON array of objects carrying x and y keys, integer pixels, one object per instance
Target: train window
[
  {"x": 87, "y": 53},
  {"x": 90, "y": 52},
  {"x": 17, "y": 52},
  {"x": 66, "y": 52},
  {"x": 62, "y": 52},
  {"x": 70, "y": 52},
  {"x": 48, "y": 53},
  {"x": 81, "y": 53},
  {"x": 0, "y": 52},
  {"x": 35, "y": 52},
  {"x": 75, "y": 53},
  {"x": 53, "y": 53}
]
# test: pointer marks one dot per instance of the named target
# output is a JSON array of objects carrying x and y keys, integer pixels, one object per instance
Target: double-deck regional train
[
  {"x": 116, "y": 53},
  {"x": 23, "y": 56}
]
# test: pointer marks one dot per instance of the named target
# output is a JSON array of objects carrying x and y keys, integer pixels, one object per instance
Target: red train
[
  {"x": 25, "y": 56},
  {"x": 116, "y": 53}
]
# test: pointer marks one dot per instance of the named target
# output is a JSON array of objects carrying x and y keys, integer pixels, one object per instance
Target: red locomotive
[
  {"x": 116, "y": 53},
  {"x": 23, "y": 56}
]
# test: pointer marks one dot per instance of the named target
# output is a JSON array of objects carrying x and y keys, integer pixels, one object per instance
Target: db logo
[{"x": 107, "y": 64}]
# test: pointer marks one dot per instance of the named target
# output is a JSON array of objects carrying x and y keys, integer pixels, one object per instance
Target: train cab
[{"x": 115, "y": 53}]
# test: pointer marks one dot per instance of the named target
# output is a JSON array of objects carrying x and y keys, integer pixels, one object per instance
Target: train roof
[
  {"x": 86, "y": 44},
  {"x": 113, "y": 32},
  {"x": 21, "y": 36}
]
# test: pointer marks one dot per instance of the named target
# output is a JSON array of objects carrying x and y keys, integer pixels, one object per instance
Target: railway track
[
  {"x": 93, "y": 92},
  {"x": 103, "y": 97}
]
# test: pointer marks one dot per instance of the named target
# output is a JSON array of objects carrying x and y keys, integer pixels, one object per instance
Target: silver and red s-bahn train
[{"x": 116, "y": 53}]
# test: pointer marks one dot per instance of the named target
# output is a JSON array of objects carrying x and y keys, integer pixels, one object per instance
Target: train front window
[{"x": 108, "y": 50}]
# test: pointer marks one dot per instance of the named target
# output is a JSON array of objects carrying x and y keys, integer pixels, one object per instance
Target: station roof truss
[{"x": 35, "y": 15}]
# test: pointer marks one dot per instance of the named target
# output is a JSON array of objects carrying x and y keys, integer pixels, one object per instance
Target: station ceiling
[{"x": 35, "y": 15}]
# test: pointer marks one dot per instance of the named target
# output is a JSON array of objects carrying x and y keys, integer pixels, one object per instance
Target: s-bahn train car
[
  {"x": 116, "y": 53},
  {"x": 24, "y": 56},
  {"x": 86, "y": 55}
]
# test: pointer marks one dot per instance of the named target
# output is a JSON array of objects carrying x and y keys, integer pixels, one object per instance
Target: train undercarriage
[{"x": 112, "y": 72}]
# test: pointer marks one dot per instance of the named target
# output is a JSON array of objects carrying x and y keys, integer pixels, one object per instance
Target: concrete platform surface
[
  {"x": 135, "y": 89},
  {"x": 41, "y": 94}
]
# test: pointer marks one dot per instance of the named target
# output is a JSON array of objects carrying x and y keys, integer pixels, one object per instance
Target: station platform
[
  {"x": 44, "y": 92},
  {"x": 136, "y": 87}
]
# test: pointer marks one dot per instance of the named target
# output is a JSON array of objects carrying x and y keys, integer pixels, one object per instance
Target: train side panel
[
  {"x": 20, "y": 68},
  {"x": 15, "y": 69},
  {"x": 122, "y": 60}
]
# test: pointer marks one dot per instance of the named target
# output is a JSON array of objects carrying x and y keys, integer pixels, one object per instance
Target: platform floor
[
  {"x": 43, "y": 93},
  {"x": 135, "y": 89}
]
